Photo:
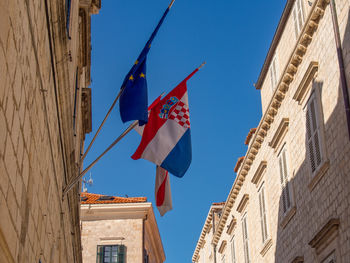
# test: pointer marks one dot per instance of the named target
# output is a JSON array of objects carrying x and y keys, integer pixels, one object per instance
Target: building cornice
[
  {"x": 112, "y": 211},
  {"x": 310, "y": 26}
]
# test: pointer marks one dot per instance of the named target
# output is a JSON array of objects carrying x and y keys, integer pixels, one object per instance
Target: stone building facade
[
  {"x": 45, "y": 112},
  {"x": 290, "y": 201},
  {"x": 120, "y": 230},
  {"x": 205, "y": 249}
]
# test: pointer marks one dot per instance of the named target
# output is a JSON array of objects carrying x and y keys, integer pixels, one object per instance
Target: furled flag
[
  {"x": 163, "y": 191},
  {"x": 166, "y": 139},
  {"x": 134, "y": 99}
]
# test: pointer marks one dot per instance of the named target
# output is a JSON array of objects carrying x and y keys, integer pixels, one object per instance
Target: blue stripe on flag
[{"x": 179, "y": 159}]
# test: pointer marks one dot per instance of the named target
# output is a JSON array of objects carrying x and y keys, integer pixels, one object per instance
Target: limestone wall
[
  {"x": 38, "y": 148},
  {"x": 318, "y": 223},
  {"x": 126, "y": 232}
]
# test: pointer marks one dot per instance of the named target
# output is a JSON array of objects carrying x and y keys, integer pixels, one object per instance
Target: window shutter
[
  {"x": 261, "y": 217},
  {"x": 286, "y": 198},
  {"x": 121, "y": 254},
  {"x": 245, "y": 240},
  {"x": 264, "y": 213},
  {"x": 99, "y": 258},
  {"x": 295, "y": 18},
  {"x": 284, "y": 202},
  {"x": 300, "y": 14},
  {"x": 233, "y": 252},
  {"x": 286, "y": 185},
  {"x": 313, "y": 135},
  {"x": 68, "y": 7}
]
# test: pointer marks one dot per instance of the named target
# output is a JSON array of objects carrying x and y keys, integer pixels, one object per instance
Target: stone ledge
[
  {"x": 298, "y": 259},
  {"x": 242, "y": 205},
  {"x": 328, "y": 232},
  {"x": 259, "y": 172},
  {"x": 231, "y": 225},
  {"x": 288, "y": 216},
  {"x": 266, "y": 247},
  {"x": 318, "y": 175},
  {"x": 279, "y": 134},
  {"x": 304, "y": 86}
]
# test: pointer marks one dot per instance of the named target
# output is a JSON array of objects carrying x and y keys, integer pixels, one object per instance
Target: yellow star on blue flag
[{"x": 134, "y": 99}]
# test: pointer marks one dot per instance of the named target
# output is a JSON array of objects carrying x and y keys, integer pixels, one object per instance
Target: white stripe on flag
[
  {"x": 165, "y": 140},
  {"x": 163, "y": 191}
]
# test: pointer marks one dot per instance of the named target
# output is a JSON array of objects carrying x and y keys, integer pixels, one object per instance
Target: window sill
[
  {"x": 266, "y": 246},
  {"x": 288, "y": 216},
  {"x": 318, "y": 175}
]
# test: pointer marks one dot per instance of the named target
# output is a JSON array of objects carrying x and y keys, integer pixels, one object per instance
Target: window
[
  {"x": 145, "y": 256},
  {"x": 233, "y": 251},
  {"x": 273, "y": 73},
  {"x": 263, "y": 217},
  {"x": 286, "y": 191},
  {"x": 330, "y": 259},
  {"x": 111, "y": 254},
  {"x": 68, "y": 11},
  {"x": 245, "y": 239},
  {"x": 298, "y": 16},
  {"x": 313, "y": 134},
  {"x": 75, "y": 103},
  {"x": 223, "y": 260}
]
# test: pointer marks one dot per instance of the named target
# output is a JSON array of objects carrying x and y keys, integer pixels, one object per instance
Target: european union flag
[{"x": 134, "y": 99}]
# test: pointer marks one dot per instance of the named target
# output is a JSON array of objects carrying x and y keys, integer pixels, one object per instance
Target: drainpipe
[
  {"x": 214, "y": 246},
  {"x": 143, "y": 238},
  {"x": 341, "y": 63}
]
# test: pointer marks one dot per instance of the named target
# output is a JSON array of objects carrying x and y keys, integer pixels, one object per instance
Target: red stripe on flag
[
  {"x": 155, "y": 122},
  {"x": 161, "y": 192}
]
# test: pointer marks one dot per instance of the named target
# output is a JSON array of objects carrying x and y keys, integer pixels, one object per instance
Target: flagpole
[
  {"x": 131, "y": 126},
  {"x": 202, "y": 65},
  {"x": 99, "y": 129},
  {"x": 171, "y": 4},
  {"x": 108, "y": 113},
  {"x": 76, "y": 179}
]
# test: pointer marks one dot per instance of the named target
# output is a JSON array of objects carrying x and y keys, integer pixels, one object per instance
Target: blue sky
[{"x": 233, "y": 37}]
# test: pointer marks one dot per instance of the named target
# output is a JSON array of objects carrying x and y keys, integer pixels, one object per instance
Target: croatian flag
[
  {"x": 166, "y": 139},
  {"x": 162, "y": 191}
]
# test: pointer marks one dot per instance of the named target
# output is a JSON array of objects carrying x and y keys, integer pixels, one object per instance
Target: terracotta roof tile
[
  {"x": 249, "y": 136},
  {"x": 88, "y": 198},
  {"x": 238, "y": 164}
]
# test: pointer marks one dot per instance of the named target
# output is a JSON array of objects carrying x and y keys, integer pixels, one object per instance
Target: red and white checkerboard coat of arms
[{"x": 181, "y": 114}]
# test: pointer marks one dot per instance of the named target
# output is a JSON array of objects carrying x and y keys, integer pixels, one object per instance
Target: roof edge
[{"x": 275, "y": 41}]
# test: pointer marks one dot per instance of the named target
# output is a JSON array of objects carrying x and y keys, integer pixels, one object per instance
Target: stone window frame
[
  {"x": 326, "y": 241},
  {"x": 243, "y": 203},
  {"x": 259, "y": 173},
  {"x": 314, "y": 94},
  {"x": 231, "y": 226},
  {"x": 100, "y": 258}
]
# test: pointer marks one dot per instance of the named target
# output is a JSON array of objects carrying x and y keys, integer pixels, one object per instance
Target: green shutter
[
  {"x": 99, "y": 258},
  {"x": 121, "y": 254}
]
